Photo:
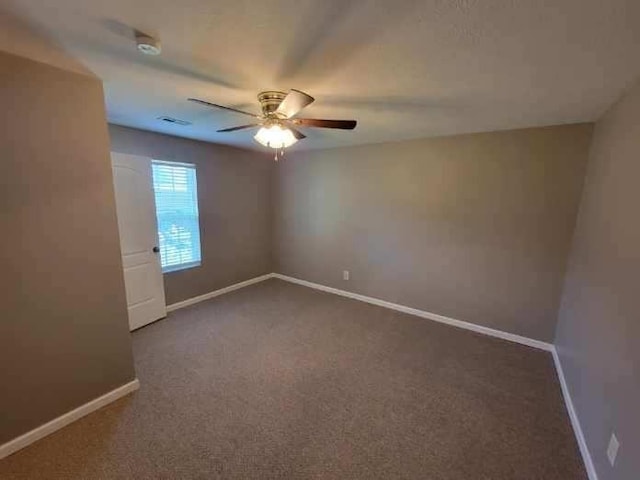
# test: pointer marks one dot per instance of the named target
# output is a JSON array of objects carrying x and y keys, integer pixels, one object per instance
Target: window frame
[{"x": 186, "y": 265}]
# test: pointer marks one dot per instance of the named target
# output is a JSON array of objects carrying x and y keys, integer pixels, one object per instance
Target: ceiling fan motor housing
[{"x": 270, "y": 101}]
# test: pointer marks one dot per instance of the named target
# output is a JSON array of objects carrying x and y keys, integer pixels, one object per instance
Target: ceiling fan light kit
[
  {"x": 275, "y": 136},
  {"x": 277, "y": 122}
]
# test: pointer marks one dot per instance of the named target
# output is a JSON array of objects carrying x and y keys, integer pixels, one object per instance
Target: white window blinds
[{"x": 176, "y": 194}]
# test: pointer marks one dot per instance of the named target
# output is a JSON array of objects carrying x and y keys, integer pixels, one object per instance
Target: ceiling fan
[{"x": 278, "y": 120}]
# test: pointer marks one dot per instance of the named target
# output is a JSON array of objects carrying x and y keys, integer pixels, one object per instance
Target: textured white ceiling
[{"x": 402, "y": 68}]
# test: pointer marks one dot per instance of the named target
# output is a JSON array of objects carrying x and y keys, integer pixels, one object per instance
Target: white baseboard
[
  {"x": 421, "y": 313},
  {"x": 575, "y": 422},
  {"x": 48, "y": 428},
  {"x": 375, "y": 301},
  {"x": 215, "y": 293}
]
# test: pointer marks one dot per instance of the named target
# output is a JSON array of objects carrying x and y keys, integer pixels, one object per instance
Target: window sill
[{"x": 183, "y": 266}]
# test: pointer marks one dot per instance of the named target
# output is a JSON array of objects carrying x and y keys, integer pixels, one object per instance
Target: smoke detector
[{"x": 147, "y": 45}]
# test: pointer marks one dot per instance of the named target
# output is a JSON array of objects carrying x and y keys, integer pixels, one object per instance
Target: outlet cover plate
[{"x": 612, "y": 450}]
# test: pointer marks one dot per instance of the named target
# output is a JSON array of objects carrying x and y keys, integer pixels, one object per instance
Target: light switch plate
[
  {"x": 345, "y": 274},
  {"x": 612, "y": 449}
]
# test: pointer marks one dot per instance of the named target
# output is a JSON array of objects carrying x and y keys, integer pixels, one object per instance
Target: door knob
[{"x": 156, "y": 249}]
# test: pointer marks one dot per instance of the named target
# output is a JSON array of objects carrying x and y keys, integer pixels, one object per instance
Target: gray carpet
[{"x": 281, "y": 381}]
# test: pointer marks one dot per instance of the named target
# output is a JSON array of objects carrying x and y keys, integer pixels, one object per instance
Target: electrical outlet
[
  {"x": 612, "y": 450},
  {"x": 345, "y": 274}
]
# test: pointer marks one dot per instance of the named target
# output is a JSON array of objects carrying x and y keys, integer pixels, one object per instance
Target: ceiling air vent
[{"x": 174, "y": 121}]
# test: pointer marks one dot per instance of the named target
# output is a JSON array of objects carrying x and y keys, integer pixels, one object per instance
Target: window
[{"x": 175, "y": 189}]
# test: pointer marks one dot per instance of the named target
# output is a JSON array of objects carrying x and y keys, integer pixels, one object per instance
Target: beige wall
[
  {"x": 475, "y": 227},
  {"x": 64, "y": 336},
  {"x": 599, "y": 322},
  {"x": 234, "y": 201}
]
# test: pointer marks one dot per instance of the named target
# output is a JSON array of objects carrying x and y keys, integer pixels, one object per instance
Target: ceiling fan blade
[
  {"x": 297, "y": 133},
  {"x": 241, "y": 127},
  {"x": 313, "y": 122},
  {"x": 293, "y": 103},
  {"x": 209, "y": 104}
]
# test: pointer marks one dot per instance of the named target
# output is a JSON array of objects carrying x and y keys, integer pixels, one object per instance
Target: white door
[{"x": 135, "y": 205}]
